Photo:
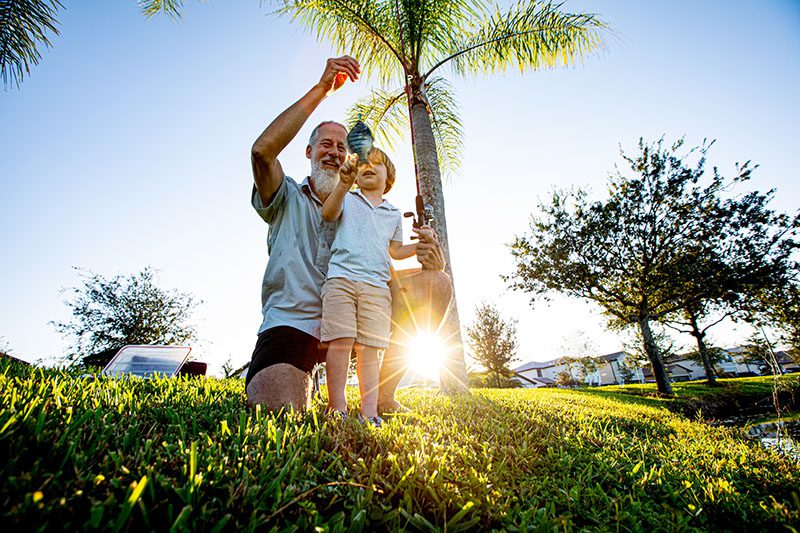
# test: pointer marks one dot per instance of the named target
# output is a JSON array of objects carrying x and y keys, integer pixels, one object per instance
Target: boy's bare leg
[
  {"x": 420, "y": 299},
  {"x": 368, "y": 373},
  {"x": 337, "y": 363},
  {"x": 280, "y": 386}
]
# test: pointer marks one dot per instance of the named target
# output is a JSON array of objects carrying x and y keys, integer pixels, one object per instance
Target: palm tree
[
  {"x": 407, "y": 43},
  {"x": 26, "y": 24}
]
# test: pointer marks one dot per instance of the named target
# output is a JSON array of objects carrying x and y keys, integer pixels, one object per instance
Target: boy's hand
[{"x": 349, "y": 170}]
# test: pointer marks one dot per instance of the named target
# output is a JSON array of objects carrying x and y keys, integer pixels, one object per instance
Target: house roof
[
  {"x": 534, "y": 365},
  {"x": 612, "y": 356}
]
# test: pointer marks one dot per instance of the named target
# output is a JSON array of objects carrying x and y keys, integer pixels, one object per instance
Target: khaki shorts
[{"x": 354, "y": 309}]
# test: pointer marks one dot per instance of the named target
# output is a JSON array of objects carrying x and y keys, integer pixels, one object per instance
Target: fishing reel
[{"x": 423, "y": 216}]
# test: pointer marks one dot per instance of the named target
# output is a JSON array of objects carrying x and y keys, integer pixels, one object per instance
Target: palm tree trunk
[
  {"x": 651, "y": 349},
  {"x": 454, "y": 372}
]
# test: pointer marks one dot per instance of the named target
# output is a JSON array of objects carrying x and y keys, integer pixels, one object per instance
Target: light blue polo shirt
[
  {"x": 299, "y": 249},
  {"x": 360, "y": 251}
]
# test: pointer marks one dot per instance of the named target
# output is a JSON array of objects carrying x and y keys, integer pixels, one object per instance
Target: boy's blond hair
[{"x": 376, "y": 156}]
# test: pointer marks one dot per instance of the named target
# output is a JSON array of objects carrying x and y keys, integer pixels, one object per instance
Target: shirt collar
[
  {"x": 384, "y": 204},
  {"x": 306, "y": 186}
]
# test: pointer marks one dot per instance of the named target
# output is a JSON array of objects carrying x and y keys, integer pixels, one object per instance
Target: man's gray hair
[{"x": 315, "y": 133}]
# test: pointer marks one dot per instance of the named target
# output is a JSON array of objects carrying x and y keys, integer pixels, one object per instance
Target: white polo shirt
[{"x": 360, "y": 251}]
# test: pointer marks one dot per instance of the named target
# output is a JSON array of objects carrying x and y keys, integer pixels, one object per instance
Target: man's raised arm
[{"x": 267, "y": 170}]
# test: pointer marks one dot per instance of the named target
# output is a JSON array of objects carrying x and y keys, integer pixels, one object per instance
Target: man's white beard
[{"x": 324, "y": 179}]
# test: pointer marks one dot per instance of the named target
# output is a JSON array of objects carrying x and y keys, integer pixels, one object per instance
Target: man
[{"x": 299, "y": 245}]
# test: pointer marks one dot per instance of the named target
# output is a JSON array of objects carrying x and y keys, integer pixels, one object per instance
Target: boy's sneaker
[{"x": 374, "y": 421}]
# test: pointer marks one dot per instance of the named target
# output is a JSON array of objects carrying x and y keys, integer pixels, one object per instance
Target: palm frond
[
  {"x": 365, "y": 29},
  {"x": 170, "y": 8},
  {"x": 447, "y": 127},
  {"x": 429, "y": 26},
  {"x": 530, "y": 35},
  {"x": 386, "y": 114},
  {"x": 24, "y": 25}
]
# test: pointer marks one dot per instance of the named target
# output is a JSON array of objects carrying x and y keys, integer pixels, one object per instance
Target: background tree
[
  {"x": 406, "y": 44},
  {"x": 578, "y": 350},
  {"x": 493, "y": 342},
  {"x": 26, "y": 25},
  {"x": 4, "y": 348},
  {"x": 628, "y": 252},
  {"x": 713, "y": 356},
  {"x": 780, "y": 309},
  {"x": 111, "y": 313},
  {"x": 758, "y": 351},
  {"x": 746, "y": 252},
  {"x": 566, "y": 379}
]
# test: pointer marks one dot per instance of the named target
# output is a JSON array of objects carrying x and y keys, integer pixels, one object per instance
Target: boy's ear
[{"x": 308, "y": 151}]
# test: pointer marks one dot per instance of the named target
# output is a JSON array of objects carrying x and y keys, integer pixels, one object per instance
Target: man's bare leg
[
  {"x": 280, "y": 386},
  {"x": 336, "y": 366},
  {"x": 420, "y": 299}
]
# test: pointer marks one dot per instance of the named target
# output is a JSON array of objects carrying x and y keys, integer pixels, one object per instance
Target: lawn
[
  {"x": 187, "y": 454},
  {"x": 740, "y": 397}
]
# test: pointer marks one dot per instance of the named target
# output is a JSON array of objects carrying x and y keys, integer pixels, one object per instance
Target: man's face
[
  {"x": 372, "y": 176},
  {"x": 329, "y": 149}
]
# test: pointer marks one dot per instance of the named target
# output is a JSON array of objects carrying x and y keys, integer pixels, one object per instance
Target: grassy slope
[
  {"x": 742, "y": 396},
  {"x": 130, "y": 454}
]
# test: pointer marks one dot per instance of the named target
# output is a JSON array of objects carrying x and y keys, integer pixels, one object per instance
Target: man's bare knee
[
  {"x": 421, "y": 297},
  {"x": 280, "y": 386}
]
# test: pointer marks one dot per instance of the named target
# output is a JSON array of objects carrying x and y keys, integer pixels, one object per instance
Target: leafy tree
[
  {"x": 757, "y": 351},
  {"x": 746, "y": 253},
  {"x": 577, "y": 348},
  {"x": 25, "y": 25},
  {"x": 493, "y": 341},
  {"x": 627, "y": 252},
  {"x": 566, "y": 379},
  {"x": 406, "y": 44},
  {"x": 122, "y": 310},
  {"x": 780, "y": 308},
  {"x": 4, "y": 348}
]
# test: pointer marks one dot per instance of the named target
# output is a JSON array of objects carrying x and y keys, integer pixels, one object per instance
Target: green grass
[
  {"x": 752, "y": 396},
  {"x": 187, "y": 454}
]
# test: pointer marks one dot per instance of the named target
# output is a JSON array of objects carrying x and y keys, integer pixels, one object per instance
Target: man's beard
[{"x": 324, "y": 179}]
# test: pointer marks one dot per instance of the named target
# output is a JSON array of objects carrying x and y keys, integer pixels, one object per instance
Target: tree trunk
[
  {"x": 454, "y": 373},
  {"x": 711, "y": 376},
  {"x": 653, "y": 353}
]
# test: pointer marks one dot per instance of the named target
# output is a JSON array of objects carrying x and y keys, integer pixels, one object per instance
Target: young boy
[{"x": 356, "y": 302}]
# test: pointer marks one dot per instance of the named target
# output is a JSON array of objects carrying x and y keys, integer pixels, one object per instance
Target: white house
[{"x": 608, "y": 371}]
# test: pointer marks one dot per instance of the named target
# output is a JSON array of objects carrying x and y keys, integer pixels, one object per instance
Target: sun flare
[{"x": 426, "y": 353}]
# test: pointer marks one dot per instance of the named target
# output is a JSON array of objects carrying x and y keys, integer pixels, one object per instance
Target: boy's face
[{"x": 371, "y": 176}]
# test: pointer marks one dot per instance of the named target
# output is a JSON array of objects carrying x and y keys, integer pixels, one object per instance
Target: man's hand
[
  {"x": 429, "y": 252},
  {"x": 349, "y": 170},
  {"x": 337, "y": 70}
]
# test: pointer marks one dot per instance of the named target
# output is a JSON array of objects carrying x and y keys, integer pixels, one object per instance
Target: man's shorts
[
  {"x": 357, "y": 310},
  {"x": 285, "y": 344}
]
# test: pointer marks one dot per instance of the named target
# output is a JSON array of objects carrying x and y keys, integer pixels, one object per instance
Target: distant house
[
  {"x": 608, "y": 371},
  {"x": 732, "y": 364}
]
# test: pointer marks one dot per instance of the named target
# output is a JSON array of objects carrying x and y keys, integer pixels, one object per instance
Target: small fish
[{"x": 359, "y": 140}]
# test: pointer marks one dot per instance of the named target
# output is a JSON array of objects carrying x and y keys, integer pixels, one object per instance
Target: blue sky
[{"x": 128, "y": 146}]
